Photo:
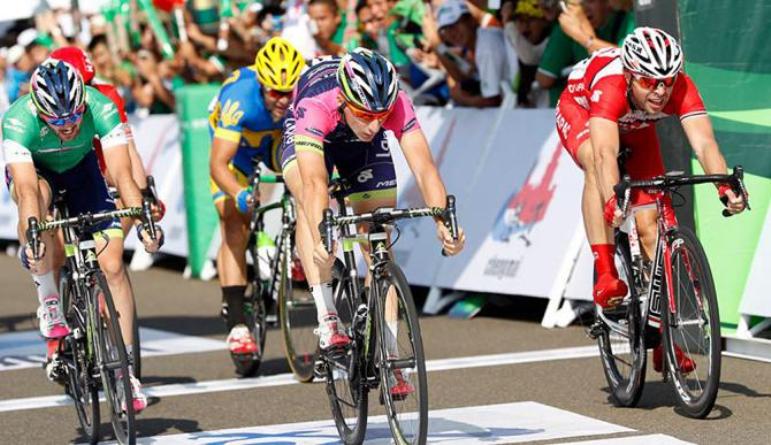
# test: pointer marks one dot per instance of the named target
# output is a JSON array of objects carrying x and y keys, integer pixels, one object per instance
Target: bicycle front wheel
[
  {"x": 403, "y": 381},
  {"x": 112, "y": 360},
  {"x": 622, "y": 348},
  {"x": 82, "y": 388},
  {"x": 693, "y": 329},
  {"x": 346, "y": 375},
  {"x": 297, "y": 314}
]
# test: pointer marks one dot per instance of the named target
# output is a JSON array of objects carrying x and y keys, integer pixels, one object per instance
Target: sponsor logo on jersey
[
  {"x": 386, "y": 184},
  {"x": 596, "y": 94},
  {"x": 109, "y": 109},
  {"x": 365, "y": 175},
  {"x": 44, "y": 130},
  {"x": 13, "y": 124}
]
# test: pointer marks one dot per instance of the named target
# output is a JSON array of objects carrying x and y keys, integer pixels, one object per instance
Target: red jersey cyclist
[{"x": 612, "y": 99}]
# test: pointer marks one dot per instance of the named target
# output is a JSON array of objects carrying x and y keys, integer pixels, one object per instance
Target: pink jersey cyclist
[
  {"x": 597, "y": 87},
  {"x": 314, "y": 123}
]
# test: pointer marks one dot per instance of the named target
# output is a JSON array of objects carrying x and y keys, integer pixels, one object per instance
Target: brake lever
[
  {"x": 737, "y": 186},
  {"x": 450, "y": 220},
  {"x": 325, "y": 229},
  {"x": 622, "y": 191},
  {"x": 33, "y": 237}
]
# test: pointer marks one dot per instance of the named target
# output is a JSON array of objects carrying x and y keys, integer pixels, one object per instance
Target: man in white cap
[{"x": 478, "y": 62}]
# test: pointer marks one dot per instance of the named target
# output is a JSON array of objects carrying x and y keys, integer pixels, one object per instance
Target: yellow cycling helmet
[{"x": 278, "y": 65}]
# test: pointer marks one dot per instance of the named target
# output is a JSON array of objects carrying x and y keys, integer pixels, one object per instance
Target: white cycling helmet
[{"x": 651, "y": 52}]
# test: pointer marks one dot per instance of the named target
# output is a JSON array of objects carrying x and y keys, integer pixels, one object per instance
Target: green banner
[
  {"x": 192, "y": 102},
  {"x": 730, "y": 62}
]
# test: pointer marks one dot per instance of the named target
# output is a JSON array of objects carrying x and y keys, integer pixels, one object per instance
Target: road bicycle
[
  {"x": 671, "y": 300},
  {"x": 93, "y": 355},
  {"x": 386, "y": 348},
  {"x": 277, "y": 290}
]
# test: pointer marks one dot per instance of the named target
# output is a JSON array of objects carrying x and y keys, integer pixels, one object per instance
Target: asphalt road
[{"x": 563, "y": 374}]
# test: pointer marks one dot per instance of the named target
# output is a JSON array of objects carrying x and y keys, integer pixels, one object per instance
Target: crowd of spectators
[{"x": 460, "y": 52}]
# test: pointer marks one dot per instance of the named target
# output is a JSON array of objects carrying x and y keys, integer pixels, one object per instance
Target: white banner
[
  {"x": 157, "y": 141},
  {"x": 756, "y": 300}
]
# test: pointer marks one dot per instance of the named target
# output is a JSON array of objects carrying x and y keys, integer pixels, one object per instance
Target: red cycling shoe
[{"x": 609, "y": 291}]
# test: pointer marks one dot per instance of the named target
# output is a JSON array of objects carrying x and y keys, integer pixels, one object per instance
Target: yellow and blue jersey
[{"x": 239, "y": 115}]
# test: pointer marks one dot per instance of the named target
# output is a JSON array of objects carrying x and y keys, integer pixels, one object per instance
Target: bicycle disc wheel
[
  {"x": 112, "y": 361},
  {"x": 346, "y": 380},
  {"x": 403, "y": 382},
  {"x": 297, "y": 315},
  {"x": 694, "y": 327},
  {"x": 622, "y": 349}
]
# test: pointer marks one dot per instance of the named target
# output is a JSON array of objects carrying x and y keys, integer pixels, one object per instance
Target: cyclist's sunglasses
[
  {"x": 275, "y": 94},
  {"x": 64, "y": 121},
  {"x": 366, "y": 115},
  {"x": 650, "y": 83}
]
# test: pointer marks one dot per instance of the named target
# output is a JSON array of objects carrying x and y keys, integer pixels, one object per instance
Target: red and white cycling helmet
[
  {"x": 652, "y": 53},
  {"x": 77, "y": 58}
]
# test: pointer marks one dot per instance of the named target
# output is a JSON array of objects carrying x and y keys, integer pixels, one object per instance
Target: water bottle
[{"x": 266, "y": 253}]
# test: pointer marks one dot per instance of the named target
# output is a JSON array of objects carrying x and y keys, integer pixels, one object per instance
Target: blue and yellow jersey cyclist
[{"x": 245, "y": 123}]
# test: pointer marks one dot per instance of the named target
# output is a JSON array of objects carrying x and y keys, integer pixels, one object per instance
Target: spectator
[
  {"x": 527, "y": 30},
  {"x": 152, "y": 88},
  {"x": 19, "y": 71},
  {"x": 367, "y": 27},
  {"x": 388, "y": 29},
  {"x": 325, "y": 22},
  {"x": 608, "y": 28},
  {"x": 477, "y": 72},
  {"x": 105, "y": 66}
]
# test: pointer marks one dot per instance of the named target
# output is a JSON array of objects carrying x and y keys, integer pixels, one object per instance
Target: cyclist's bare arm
[
  {"x": 418, "y": 155},
  {"x": 25, "y": 190},
  {"x": 119, "y": 166},
  {"x": 605, "y": 143},
  {"x": 222, "y": 152},
  {"x": 137, "y": 167},
  {"x": 700, "y": 135},
  {"x": 315, "y": 182}
]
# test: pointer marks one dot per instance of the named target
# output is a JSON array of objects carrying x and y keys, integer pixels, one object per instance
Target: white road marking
[
  {"x": 19, "y": 350},
  {"x": 658, "y": 439},
  {"x": 287, "y": 379},
  {"x": 479, "y": 425}
]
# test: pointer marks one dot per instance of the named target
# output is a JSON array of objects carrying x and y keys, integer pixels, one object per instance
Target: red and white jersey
[{"x": 598, "y": 85}]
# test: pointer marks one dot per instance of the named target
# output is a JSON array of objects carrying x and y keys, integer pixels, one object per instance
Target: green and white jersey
[{"x": 27, "y": 138}]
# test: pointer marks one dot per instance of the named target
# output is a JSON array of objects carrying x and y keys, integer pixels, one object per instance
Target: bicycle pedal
[
  {"x": 596, "y": 329},
  {"x": 319, "y": 369}
]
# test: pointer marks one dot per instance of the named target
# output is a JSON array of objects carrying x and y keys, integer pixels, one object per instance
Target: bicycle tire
[
  {"x": 297, "y": 316},
  {"x": 346, "y": 377},
  {"x": 699, "y": 275},
  {"x": 410, "y": 366},
  {"x": 110, "y": 346},
  {"x": 625, "y": 388},
  {"x": 136, "y": 345},
  {"x": 80, "y": 386}
]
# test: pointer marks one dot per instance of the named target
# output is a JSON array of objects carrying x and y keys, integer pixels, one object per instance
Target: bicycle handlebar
[
  {"x": 386, "y": 216},
  {"x": 673, "y": 180}
]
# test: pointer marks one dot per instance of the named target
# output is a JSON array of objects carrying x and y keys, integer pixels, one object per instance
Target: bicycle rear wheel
[
  {"x": 694, "y": 327},
  {"x": 247, "y": 365},
  {"x": 622, "y": 348},
  {"x": 346, "y": 377},
  {"x": 297, "y": 315},
  {"x": 403, "y": 381},
  {"x": 112, "y": 360}
]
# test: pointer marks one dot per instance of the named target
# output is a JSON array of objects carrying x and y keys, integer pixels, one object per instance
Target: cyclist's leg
[
  {"x": 573, "y": 129},
  {"x": 231, "y": 256}
]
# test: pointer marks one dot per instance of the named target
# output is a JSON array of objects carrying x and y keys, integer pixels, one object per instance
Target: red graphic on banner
[{"x": 528, "y": 205}]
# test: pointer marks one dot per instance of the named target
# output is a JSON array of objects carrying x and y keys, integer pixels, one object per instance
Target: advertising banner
[
  {"x": 733, "y": 80},
  {"x": 523, "y": 214},
  {"x": 157, "y": 141},
  {"x": 458, "y": 139}
]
